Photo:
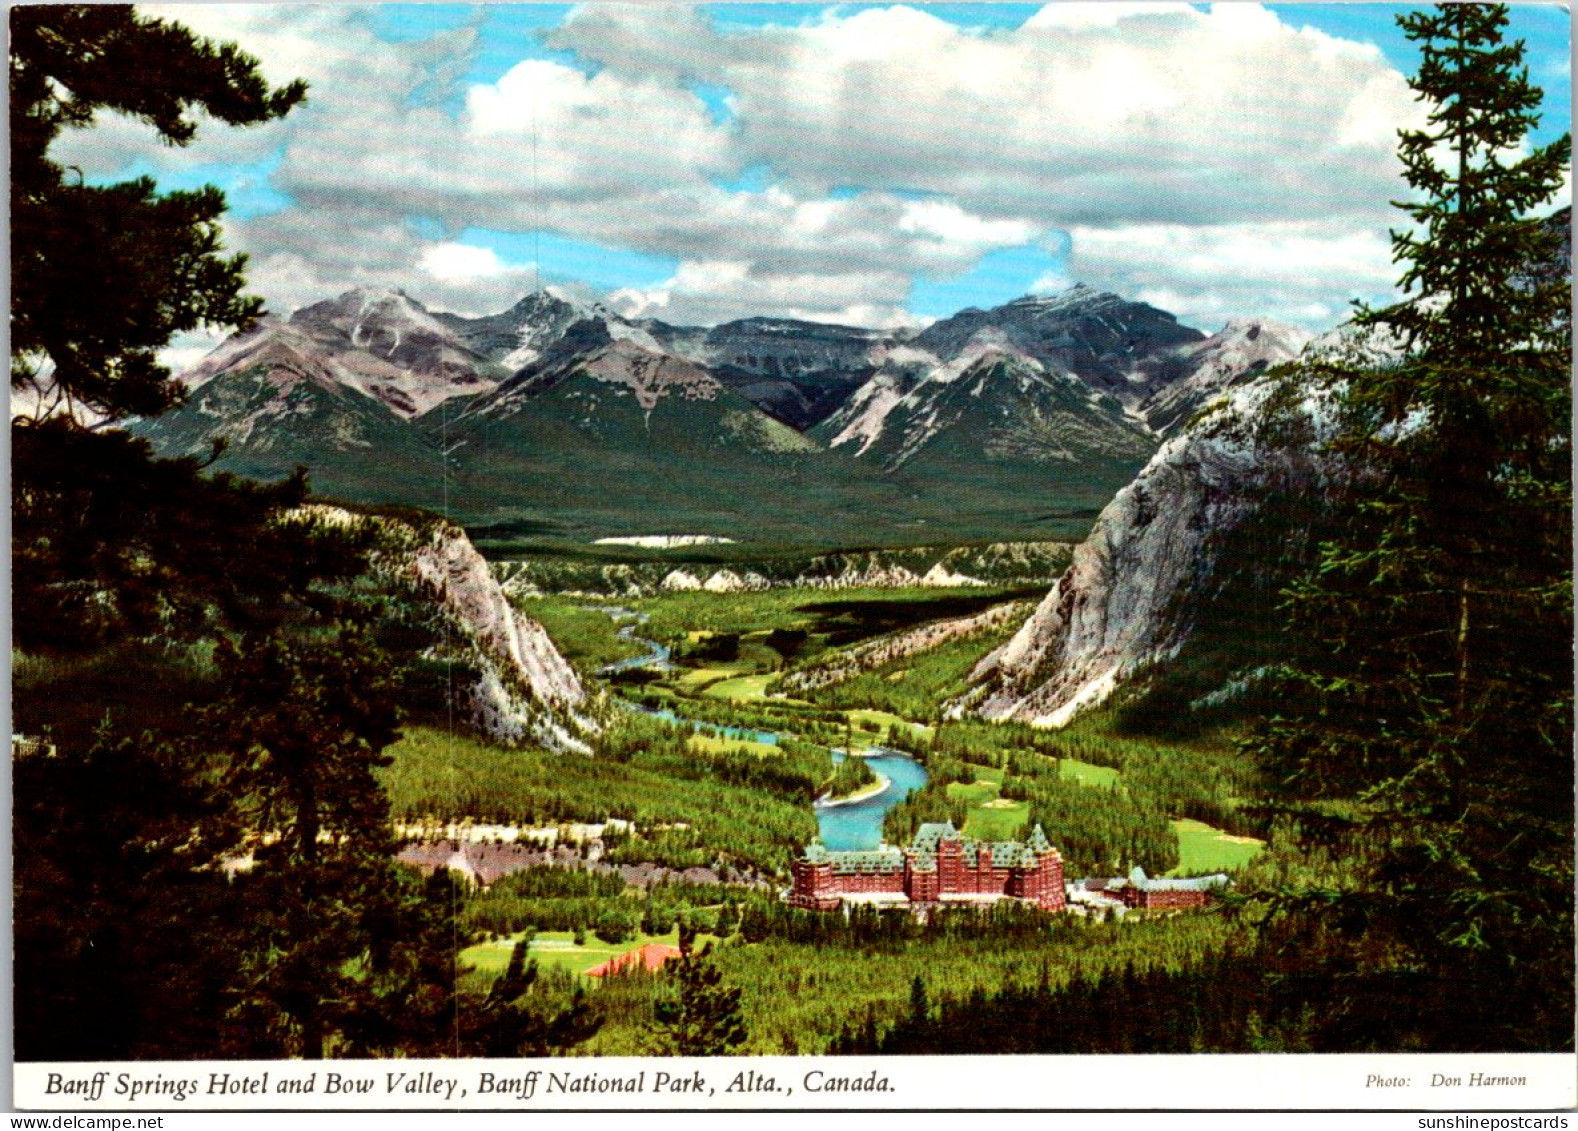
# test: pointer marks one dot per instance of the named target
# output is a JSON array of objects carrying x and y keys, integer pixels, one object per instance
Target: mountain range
[{"x": 559, "y": 419}]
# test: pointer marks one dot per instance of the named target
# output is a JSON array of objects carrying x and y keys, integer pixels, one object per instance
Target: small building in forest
[
  {"x": 1169, "y": 894},
  {"x": 939, "y": 866}
]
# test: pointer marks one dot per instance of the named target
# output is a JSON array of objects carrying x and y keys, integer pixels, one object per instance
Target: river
[
  {"x": 844, "y": 826},
  {"x": 743, "y": 734},
  {"x": 657, "y": 657}
]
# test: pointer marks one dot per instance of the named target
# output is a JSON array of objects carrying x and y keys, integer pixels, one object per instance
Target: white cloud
[
  {"x": 1122, "y": 122},
  {"x": 186, "y": 349},
  {"x": 1213, "y": 116},
  {"x": 1298, "y": 271},
  {"x": 1564, "y": 194},
  {"x": 1215, "y": 156},
  {"x": 945, "y": 221},
  {"x": 708, "y": 290},
  {"x": 600, "y": 134},
  {"x": 460, "y": 263},
  {"x": 1051, "y": 283}
]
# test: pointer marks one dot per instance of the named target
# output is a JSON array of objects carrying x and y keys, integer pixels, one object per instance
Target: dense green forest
[{"x": 211, "y": 871}]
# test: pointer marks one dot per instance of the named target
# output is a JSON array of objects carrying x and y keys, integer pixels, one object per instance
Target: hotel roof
[{"x": 922, "y": 851}]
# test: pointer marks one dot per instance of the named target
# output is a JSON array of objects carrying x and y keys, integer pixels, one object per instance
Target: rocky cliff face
[
  {"x": 1123, "y": 604},
  {"x": 524, "y": 689}
]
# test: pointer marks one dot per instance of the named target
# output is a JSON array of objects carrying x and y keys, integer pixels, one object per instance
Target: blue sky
[
  {"x": 511, "y": 32},
  {"x": 854, "y": 162}
]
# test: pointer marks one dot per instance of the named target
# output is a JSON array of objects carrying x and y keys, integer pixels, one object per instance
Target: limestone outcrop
[
  {"x": 1124, "y": 603},
  {"x": 523, "y": 690}
]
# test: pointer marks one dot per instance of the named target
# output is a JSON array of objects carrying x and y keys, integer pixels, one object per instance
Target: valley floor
[{"x": 708, "y": 764}]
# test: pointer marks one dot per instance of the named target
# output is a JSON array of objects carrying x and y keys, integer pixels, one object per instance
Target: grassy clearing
[
  {"x": 973, "y": 793},
  {"x": 878, "y": 722},
  {"x": 988, "y": 815},
  {"x": 1202, "y": 849},
  {"x": 718, "y": 744},
  {"x": 553, "y": 948},
  {"x": 557, "y": 949},
  {"x": 696, "y": 681},
  {"x": 991, "y": 774},
  {"x": 997, "y": 820},
  {"x": 1088, "y": 773},
  {"x": 741, "y": 687}
]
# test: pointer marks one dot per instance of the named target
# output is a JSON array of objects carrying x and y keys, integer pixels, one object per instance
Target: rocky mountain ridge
[
  {"x": 523, "y": 689},
  {"x": 1103, "y": 338},
  {"x": 1196, "y": 373},
  {"x": 1012, "y": 422},
  {"x": 382, "y": 344}
]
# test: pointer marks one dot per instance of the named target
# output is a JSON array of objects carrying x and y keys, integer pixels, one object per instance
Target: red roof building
[
  {"x": 940, "y": 866},
  {"x": 651, "y": 956}
]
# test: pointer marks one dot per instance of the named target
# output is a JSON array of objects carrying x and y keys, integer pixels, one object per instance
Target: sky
[{"x": 873, "y": 164}]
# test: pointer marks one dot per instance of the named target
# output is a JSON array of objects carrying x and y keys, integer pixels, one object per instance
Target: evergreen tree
[
  {"x": 101, "y": 277},
  {"x": 920, "y": 1004},
  {"x": 114, "y": 548},
  {"x": 303, "y": 726},
  {"x": 518, "y": 975},
  {"x": 326, "y": 945},
  {"x": 701, "y": 1015},
  {"x": 114, "y": 932},
  {"x": 110, "y": 542},
  {"x": 1434, "y": 692}
]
